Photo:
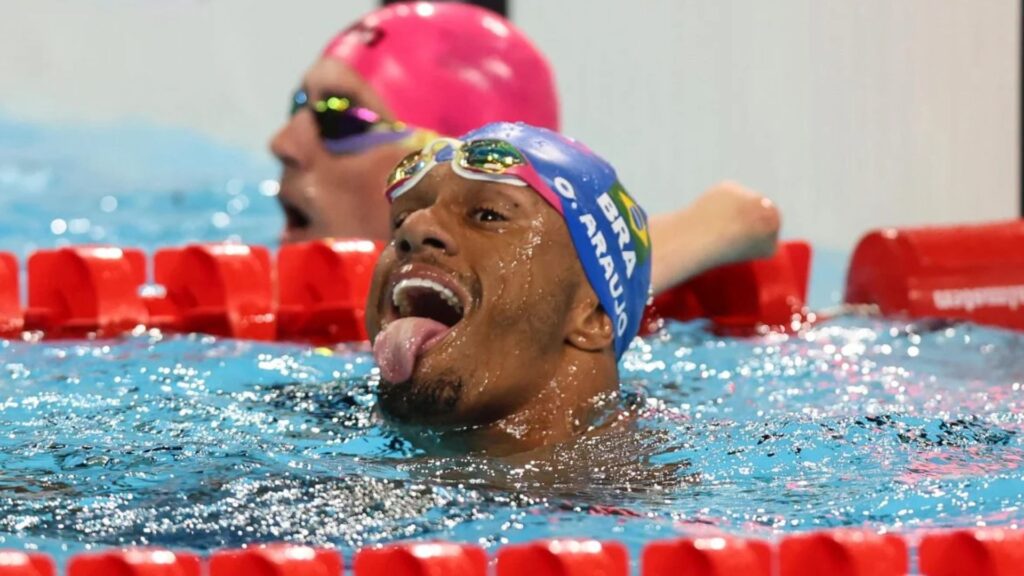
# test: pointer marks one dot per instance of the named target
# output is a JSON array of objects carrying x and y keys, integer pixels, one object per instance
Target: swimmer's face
[
  {"x": 496, "y": 263},
  {"x": 327, "y": 195}
]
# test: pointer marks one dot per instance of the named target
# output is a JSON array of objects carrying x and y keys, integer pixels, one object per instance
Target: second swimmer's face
[{"x": 329, "y": 195}]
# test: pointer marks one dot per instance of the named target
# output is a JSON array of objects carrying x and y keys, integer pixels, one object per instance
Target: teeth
[{"x": 398, "y": 294}]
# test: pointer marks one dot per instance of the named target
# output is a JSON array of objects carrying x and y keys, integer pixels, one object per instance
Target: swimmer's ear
[{"x": 590, "y": 328}]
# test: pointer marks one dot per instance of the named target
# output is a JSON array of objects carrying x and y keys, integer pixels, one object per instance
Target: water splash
[{"x": 198, "y": 442}]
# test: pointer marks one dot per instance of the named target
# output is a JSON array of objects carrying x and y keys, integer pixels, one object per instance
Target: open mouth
[
  {"x": 423, "y": 306},
  {"x": 426, "y": 298},
  {"x": 295, "y": 217}
]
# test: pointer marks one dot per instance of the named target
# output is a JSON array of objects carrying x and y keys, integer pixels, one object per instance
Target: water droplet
[
  {"x": 234, "y": 186},
  {"x": 220, "y": 219},
  {"x": 78, "y": 225},
  {"x": 108, "y": 203},
  {"x": 238, "y": 204},
  {"x": 270, "y": 187}
]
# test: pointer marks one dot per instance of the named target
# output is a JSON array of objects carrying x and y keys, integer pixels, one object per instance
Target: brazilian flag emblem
[{"x": 635, "y": 219}]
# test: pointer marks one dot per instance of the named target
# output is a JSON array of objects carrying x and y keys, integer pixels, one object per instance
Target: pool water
[{"x": 195, "y": 442}]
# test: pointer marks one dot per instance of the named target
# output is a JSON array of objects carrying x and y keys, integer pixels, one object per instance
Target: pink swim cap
[{"x": 449, "y": 67}]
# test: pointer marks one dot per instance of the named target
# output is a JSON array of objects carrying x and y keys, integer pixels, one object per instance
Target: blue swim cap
[{"x": 608, "y": 228}]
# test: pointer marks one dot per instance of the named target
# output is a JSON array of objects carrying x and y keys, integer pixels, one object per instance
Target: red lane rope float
[
  {"x": 843, "y": 553},
  {"x": 323, "y": 287},
  {"x": 135, "y": 562},
  {"x": 563, "y": 558},
  {"x": 11, "y": 320},
  {"x": 986, "y": 552},
  {"x": 15, "y": 563},
  {"x": 714, "y": 556},
  {"x": 422, "y": 559},
  {"x": 221, "y": 289},
  {"x": 85, "y": 289},
  {"x": 964, "y": 272},
  {"x": 740, "y": 297},
  {"x": 317, "y": 294},
  {"x": 277, "y": 560}
]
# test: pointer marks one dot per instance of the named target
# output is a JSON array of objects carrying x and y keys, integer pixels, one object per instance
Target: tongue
[{"x": 401, "y": 342}]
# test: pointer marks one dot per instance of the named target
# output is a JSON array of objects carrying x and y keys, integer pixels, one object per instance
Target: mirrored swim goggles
[
  {"x": 345, "y": 128},
  {"x": 490, "y": 160}
]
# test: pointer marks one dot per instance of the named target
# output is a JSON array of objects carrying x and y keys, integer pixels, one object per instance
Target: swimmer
[
  {"x": 411, "y": 71},
  {"x": 516, "y": 276}
]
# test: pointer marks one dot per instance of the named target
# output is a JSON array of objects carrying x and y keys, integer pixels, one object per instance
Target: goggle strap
[
  {"x": 360, "y": 142},
  {"x": 535, "y": 181}
]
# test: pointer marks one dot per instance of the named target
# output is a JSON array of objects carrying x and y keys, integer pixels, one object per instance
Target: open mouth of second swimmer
[
  {"x": 424, "y": 298},
  {"x": 295, "y": 217}
]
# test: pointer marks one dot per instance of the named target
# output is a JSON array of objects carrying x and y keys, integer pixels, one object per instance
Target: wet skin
[{"x": 531, "y": 350}]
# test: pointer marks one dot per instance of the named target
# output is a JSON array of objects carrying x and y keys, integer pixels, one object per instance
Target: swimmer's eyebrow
[{"x": 517, "y": 196}]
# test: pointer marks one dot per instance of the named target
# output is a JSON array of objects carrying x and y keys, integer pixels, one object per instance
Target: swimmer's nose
[
  {"x": 293, "y": 142},
  {"x": 421, "y": 232}
]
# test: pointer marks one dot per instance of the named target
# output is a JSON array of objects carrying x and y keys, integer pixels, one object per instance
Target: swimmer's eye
[{"x": 488, "y": 215}]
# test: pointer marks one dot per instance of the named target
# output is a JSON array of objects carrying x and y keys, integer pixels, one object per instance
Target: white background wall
[
  {"x": 224, "y": 67},
  {"x": 851, "y": 114}
]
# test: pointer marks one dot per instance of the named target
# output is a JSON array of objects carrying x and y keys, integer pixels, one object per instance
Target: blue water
[{"x": 198, "y": 442}]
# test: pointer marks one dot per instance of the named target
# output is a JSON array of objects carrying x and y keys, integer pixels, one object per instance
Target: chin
[{"x": 423, "y": 399}]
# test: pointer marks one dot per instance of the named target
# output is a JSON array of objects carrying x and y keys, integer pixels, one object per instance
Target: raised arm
[{"x": 728, "y": 223}]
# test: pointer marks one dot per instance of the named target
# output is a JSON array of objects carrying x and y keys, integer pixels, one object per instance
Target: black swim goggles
[{"x": 346, "y": 128}]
